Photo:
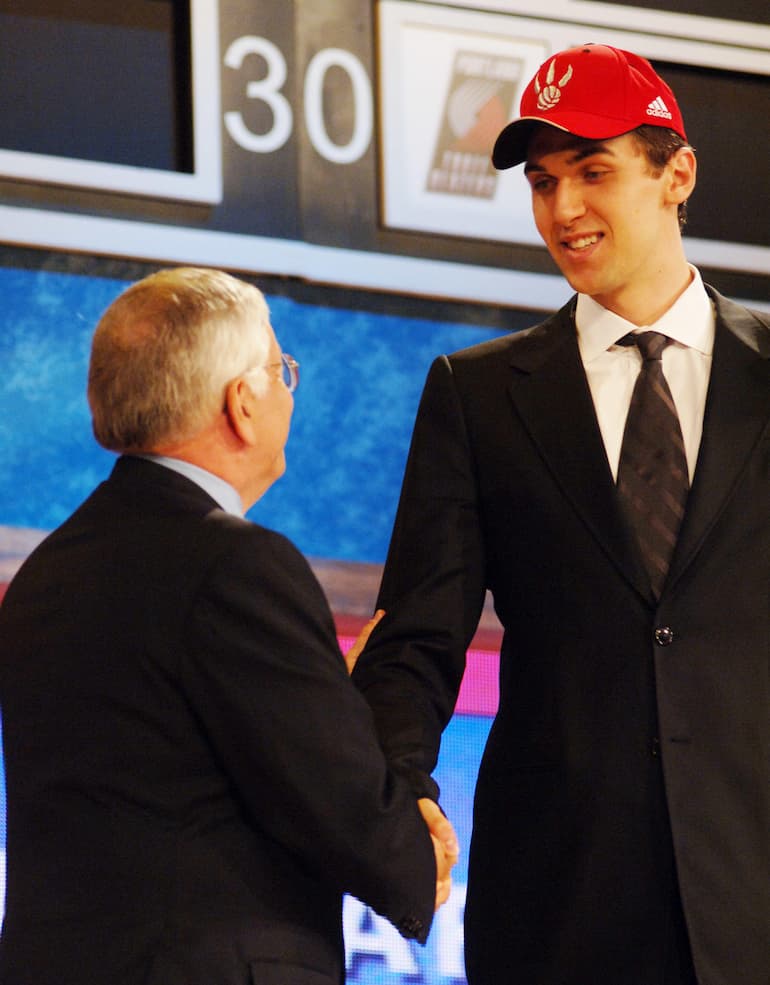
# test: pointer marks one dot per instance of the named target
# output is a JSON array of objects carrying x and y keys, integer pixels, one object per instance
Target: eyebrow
[{"x": 582, "y": 151}]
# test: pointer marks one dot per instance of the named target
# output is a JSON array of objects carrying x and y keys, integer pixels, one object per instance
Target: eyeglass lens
[{"x": 290, "y": 371}]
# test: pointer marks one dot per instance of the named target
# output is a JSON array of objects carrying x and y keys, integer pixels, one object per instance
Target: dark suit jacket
[
  {"x": 192, "y": 780},
  {"x": 631, "y": 750}
]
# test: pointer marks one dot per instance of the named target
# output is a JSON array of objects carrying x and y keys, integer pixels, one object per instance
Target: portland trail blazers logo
[
  {"x": 549, "y": 96},
  {"x": 477, "y": 107}
]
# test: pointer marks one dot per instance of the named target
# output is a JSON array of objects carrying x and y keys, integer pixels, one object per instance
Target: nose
[{"x": 568, "y": 202}]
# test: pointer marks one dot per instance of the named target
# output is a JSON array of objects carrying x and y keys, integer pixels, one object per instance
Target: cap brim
[{"x": 511, "y": 145}]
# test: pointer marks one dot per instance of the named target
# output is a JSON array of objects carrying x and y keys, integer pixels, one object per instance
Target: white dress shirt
[{"x": 612, "y": 369}]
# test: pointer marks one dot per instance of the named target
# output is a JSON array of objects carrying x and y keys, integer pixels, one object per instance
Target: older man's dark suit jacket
[
  {"x": 192, "y": 780},
  {"x": 631, "y": 752}
]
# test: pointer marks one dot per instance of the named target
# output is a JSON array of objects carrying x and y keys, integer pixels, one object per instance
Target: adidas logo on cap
[{"x": 658, "y": 108}]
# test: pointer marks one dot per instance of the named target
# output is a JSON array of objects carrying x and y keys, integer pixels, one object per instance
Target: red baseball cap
[{"x": 593, "y": 91}]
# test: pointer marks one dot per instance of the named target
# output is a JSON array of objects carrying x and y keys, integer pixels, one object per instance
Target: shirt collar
[
  {"x": 689, "y": 320},
  {"x": 220, "y": 491}
]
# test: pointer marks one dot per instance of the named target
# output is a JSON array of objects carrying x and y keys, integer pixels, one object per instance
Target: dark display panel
[
  {"x": 726, "y": 116},
  {"x": 736, "y": 10},
  {"x": 98, "y": 82}
]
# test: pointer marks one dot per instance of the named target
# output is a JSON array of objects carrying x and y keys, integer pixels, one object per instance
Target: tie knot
[{"x": 650, "y": 344}]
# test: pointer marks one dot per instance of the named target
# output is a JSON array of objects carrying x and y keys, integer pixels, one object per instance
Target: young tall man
[{"x": 606, "y": 474}]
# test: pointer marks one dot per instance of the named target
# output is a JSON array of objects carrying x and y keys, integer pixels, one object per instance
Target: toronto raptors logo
[{"x": 547, "y": 98}]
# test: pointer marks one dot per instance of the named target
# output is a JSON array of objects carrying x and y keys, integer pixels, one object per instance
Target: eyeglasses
[{"x": 289, "y": 371}]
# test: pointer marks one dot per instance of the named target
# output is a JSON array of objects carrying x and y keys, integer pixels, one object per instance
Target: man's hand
[
  {"x": 355, "y": 651},
  {"x": 444, "y": 845}
]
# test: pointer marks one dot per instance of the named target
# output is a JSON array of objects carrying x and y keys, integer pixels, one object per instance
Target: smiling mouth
[{"x": 581, "y": 242}]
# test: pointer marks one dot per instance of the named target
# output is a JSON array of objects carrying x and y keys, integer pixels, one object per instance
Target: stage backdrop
[
  {"x": 349, "y": 142},
  {"x": 333, "y": 144},
  {"x": 362, "y": 373}
]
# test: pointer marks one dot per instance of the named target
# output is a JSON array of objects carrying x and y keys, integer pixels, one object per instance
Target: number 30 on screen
[{"x": 268, "y": 90}]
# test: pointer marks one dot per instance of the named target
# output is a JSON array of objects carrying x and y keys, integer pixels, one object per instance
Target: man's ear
[
  {"x": 239, "y": 409},
  {"x": 680, "y": 176}
]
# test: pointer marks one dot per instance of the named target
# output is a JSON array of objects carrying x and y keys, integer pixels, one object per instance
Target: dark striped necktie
[{"x": 652, "y": 473}]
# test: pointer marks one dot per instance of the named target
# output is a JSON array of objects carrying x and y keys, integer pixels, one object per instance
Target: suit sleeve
[
  {"x": 268, "y": 682},
  {"x": 432, "y": 589}
]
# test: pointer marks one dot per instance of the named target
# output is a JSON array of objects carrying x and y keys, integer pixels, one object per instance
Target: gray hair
[{"x": 164, "y": 352}]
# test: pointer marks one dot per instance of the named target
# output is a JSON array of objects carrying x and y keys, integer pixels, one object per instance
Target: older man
[{"x": 192, "y": 780}]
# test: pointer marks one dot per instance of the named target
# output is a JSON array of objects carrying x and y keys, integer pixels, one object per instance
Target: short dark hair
[{"x": 659, "y": 144}]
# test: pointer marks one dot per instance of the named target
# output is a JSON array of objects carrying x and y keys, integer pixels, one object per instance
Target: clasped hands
[{"x": 442, "y": 833}]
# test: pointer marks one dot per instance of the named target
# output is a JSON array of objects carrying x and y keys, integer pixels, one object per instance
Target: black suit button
[{"x": 664, "y": 636}]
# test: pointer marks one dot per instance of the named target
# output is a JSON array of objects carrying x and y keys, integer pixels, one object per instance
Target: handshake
[{"x": 441, "y": 831}]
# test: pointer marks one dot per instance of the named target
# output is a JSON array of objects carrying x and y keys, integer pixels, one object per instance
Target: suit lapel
[
  {"x": 736, "y": 416},
  {"x": 552, "y": 397}
]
